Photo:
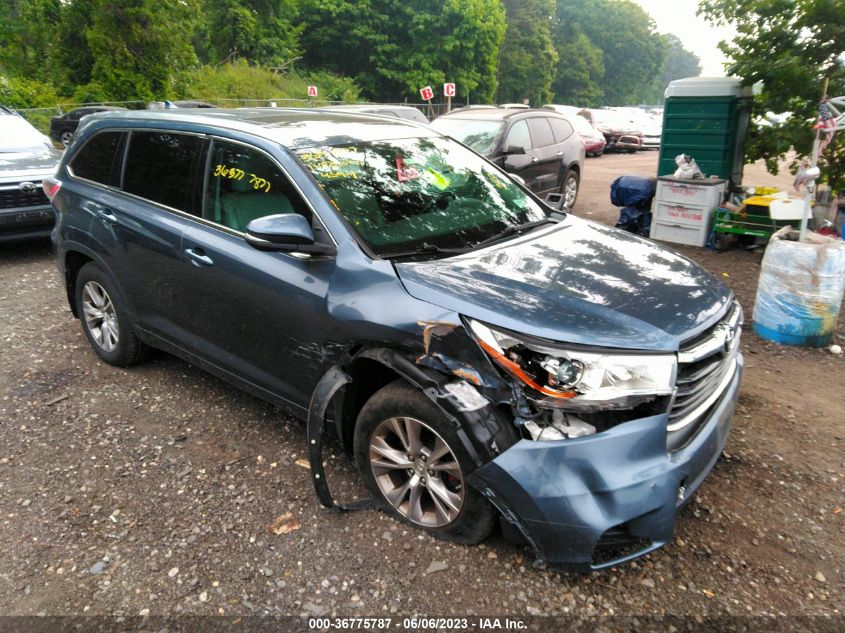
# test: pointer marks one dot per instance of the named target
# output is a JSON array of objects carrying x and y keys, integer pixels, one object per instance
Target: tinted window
[
  {"x": 541, "y": 133},
  {"x": 98, "y": 159},
  {"x": 518, "y": 136},
  {"x": 160, "y": 167},
  {"x": 562, "y": 129},
  {"x": 244, "y": 184}
]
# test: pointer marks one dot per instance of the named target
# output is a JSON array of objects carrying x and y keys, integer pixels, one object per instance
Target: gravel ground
[{"x": 151, "y": 490}]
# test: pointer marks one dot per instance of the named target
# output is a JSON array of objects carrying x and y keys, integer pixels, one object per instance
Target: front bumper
[
  {"x": 25, "y": 223},
  {"x": 570, "y": 497}
]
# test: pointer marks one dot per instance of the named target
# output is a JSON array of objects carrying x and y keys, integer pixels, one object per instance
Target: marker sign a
[
  {"x": 427, "y": 93},
  {"x": 449, "y": 90},
  {"x": 312, "y": 91}
]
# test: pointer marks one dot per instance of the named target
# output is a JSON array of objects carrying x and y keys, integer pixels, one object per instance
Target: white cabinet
[{"x": 682, "y": 211}]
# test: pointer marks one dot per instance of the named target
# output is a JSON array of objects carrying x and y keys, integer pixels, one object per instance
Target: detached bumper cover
[{"x": 566, "y": 495}]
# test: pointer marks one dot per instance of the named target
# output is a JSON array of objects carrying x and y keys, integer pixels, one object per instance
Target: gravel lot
[{"x": 150, "y": 490}]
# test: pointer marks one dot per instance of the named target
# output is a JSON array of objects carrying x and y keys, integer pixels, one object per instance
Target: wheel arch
[
  {"x": 74, "y": 257},
  {"x": 484, "y": 433},
  {"x": 73, "y": 262}
]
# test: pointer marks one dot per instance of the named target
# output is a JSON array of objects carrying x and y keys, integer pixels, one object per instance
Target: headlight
[{"x": 568, "y": 378}]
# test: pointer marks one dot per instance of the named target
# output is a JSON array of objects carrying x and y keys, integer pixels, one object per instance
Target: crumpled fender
[{"x": 467, "y": 410}]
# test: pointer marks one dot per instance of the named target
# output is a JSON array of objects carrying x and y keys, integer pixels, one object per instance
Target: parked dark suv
[
  {"x": 539, "y": 146},
  {"x": 63, "y": 128},
  {"x": 482, "y": 355},
  {"x": 26, "y": 158}
]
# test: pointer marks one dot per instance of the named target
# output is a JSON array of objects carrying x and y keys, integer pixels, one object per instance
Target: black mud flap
[{"x": 329, "y": 384}]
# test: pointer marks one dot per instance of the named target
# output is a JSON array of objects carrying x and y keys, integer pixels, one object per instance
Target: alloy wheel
[
  {"x": 570, "y": 191},
  {"x": 416, "y": 472},
  {"x": 100, "y": 316},
  {"x": 66, "y": 138}
]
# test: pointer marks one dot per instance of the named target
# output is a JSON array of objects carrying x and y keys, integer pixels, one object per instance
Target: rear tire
[
  {"x": 66, "y": 138},
  {"x": 415, "y": 467},
  {"x": 569, "y": 189},
  {"x": 105, "y": 320}
]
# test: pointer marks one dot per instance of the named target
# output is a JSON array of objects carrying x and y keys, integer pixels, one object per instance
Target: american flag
[{"x": 826, "y": 125}]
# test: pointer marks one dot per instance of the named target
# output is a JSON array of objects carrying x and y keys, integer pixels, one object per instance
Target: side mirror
[
  {"x": 555, "y": 200},
  {"x": 286, "y": 233},
  {"x": 514, "y": 149}
]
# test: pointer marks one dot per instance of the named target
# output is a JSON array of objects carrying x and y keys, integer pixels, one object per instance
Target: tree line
[{"x": 584, "y": 52}]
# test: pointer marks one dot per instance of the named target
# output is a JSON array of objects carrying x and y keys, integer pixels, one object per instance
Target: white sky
[{"x": 678, "y": 17}]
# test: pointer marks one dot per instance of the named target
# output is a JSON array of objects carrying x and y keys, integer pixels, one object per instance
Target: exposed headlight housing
[{"x": 564, "y": 377}]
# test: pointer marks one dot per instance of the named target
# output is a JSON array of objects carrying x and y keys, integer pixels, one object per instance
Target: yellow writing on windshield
[{"x": 329, "y": 166}]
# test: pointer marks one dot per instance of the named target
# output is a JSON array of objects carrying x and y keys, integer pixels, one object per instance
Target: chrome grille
[{"x": 705, "y": 368}]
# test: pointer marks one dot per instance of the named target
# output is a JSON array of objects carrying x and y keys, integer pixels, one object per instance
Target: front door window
[{"x": 244, "y": 184}]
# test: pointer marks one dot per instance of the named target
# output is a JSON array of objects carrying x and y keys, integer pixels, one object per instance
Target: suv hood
[
  {"x": 27, "y": 164},
  {"x": 578, "y": 282}
]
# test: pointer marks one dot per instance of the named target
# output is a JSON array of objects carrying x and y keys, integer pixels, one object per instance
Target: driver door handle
[
  {"x": 107, "y": 215},
  {"x": 198, "y": 257}
]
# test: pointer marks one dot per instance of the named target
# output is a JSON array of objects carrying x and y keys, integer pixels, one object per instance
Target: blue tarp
[
  {"x": 633, "y": 191},
  {"x": 634, "y": 194}
]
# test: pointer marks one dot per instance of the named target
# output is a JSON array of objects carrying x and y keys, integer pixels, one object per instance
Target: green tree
[
  {"x": 680, "y": 62},
  {"x": 260, "y": 31},
  {"x": 792, "y": 47},
  {"x": 580, "y": 69},
  {"x": 527, "y": 58},
  {"x": 394, "y": 47},
  {"x": 25, "y": 42},
  {"x": 633, "y": 54},
  {"x": 141, "y": 47},
  {"x": 71, "y": 60}
]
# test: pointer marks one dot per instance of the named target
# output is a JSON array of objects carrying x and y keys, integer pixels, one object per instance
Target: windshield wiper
[
  {"x": 515, "y": 229},
  {"x": 424, "y": 249}
]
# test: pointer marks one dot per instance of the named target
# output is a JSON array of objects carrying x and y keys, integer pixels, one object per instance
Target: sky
[{"x": 678, "y": 17}]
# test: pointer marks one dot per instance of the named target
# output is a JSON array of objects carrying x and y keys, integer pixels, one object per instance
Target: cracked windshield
[{"x": 419, "y": 195}]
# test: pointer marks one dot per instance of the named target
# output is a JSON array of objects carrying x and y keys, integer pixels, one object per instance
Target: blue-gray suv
[{"x": 485, "y": 357}]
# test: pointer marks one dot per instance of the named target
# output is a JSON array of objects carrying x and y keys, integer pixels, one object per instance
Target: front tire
[
  {"x": 105, "y": 319},
  {"x": 66, "y": 138},
  {"x": 415, "y": 467}
]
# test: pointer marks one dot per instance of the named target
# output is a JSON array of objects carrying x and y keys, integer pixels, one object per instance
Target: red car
[
  {"x": 594, "y": 141},
  {"x": 618, "y": 130}
]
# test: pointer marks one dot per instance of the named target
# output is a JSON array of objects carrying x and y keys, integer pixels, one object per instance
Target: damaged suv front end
[
  {"x": 592, "y": 376},
  {"x": 601, "y": 476}
]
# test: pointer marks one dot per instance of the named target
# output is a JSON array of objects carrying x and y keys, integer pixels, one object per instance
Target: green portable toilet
[{"x": 707, "y": 118}]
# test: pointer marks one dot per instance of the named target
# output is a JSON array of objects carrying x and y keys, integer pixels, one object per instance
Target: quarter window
[
  {"x": 518, "y": 136},
  {"x": 244, "y": 184},
  {"x": 98, "y": 160},
  {"x": 541, "y": 133},
  {"x": 160, "y": 167},
  {"x": 562, "y": 129}
]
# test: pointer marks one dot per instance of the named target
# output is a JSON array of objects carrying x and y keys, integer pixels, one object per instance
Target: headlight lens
[{"x": 575, "y": 379}]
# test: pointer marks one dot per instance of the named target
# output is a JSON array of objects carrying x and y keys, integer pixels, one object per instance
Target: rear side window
[
  {"x": 562, "y": 129},
  {"x": 161, "y": 166},
  {"x": 99, "y": 159},
  {"x": 541, "y": 133}
]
